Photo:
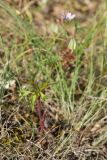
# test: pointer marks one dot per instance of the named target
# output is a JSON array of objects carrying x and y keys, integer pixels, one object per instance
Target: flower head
[{"x": 68, "y": 16}]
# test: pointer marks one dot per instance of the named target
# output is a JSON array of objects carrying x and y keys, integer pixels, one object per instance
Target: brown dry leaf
[
  {"x": 99, "y": 125},
  {"x": 96, "y": 127},
  {"x": 1, "y": 52},
  {"x": 67, "y": 57},
  {"x": 57, "y": 10}
]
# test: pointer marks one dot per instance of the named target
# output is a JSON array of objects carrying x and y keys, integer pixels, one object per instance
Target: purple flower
[{"x": 68, "y": 16}]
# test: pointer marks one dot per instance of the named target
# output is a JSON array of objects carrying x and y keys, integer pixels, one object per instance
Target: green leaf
[
  {"x": 33, "y": 99},
  {"x": 43, "y": 86},
  {"x": 24, "y": 93},
  {"x": 72, "y": 44},
  {"x": 43, "y": 96}
]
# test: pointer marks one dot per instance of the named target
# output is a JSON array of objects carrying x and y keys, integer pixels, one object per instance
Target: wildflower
[
  {"x": 65, "y": 16},
  {"x": 68, "y": 16}
]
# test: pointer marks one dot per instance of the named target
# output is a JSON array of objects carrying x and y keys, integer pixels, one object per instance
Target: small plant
[
  {"x": 35, "y": 96},
  {"x": 33, "y": 93}
]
